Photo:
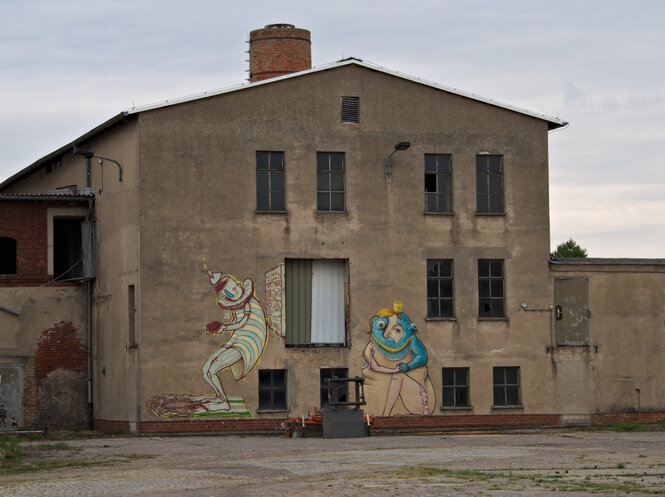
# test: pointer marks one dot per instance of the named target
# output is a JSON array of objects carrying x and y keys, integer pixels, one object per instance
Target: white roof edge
[{"x": 340, "y": 63}]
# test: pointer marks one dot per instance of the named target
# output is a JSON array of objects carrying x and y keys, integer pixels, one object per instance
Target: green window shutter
[{"x": 298, "y": 286}]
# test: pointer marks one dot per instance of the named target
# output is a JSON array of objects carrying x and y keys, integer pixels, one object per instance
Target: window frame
[
  {"x": 271, "y": 173},
  {"x": 431, "y": 278},
  {"x": 438, "y": 175},
  {"x": 455, "y": 387},
  {"x": 487, "y": 180},
  {"x": 504, "y": 386},
  {"x": 304, "y": 279},
  {"x": 324, "y": 181},
  {"x": 490, "y": 281},
  {"x": 272, "y": 388}
]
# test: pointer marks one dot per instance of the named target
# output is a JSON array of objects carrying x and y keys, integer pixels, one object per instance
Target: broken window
[
  {"x": 507, "y": 387},
  {"x": 67, "y": 248},
  {"x": 272, "y": 389},
  {"x": 340, "y": 389},
  {"x": 455, "y": 387},
  {"x": 7, "y": 255},
  {"x": 438, "y": 191},
  {"x": 490, "y": 288}
]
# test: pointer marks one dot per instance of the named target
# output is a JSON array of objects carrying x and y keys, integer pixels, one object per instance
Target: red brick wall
[
  {"x": 30, "y": 394},
  {"x": 386, "y": 425},
  {"x": 278, "y": 51},
  {"x": 60, "y": 347},
  {"x": 26, "y": 222}
]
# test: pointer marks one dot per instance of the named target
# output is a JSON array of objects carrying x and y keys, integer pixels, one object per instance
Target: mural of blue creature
[{"x": 396, "y": 377}]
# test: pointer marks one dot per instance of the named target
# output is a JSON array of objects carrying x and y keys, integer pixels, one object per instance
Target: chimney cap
[{"x": 280, "y": 26}]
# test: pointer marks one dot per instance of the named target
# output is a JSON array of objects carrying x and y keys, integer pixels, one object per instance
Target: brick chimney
[{"x": 278, "y": 49}]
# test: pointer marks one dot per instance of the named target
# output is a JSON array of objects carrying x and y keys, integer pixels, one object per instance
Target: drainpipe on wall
[{"x": 89, "y": 283}]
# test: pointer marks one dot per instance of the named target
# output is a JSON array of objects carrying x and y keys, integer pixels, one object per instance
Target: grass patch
[
  {"x": 622, "y": 427},
  {"x": 9, "y": 447}
]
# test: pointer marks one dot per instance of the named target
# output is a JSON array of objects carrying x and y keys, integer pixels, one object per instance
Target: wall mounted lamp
[
  {"x": 399, "y": 146},
  {"x": 89, "y": 155}
]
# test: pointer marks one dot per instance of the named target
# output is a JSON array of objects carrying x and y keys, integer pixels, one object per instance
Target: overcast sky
[{"x": 68, "y": 65}]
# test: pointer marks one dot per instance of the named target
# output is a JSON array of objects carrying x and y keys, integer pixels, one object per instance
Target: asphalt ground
[{"x": 475, "y": 464}]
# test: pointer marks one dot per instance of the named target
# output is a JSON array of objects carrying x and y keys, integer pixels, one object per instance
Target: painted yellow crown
[{"x": 397, "y": 305}]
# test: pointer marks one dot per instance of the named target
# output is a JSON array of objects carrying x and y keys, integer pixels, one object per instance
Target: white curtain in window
[{"x": 328, "y": 323}]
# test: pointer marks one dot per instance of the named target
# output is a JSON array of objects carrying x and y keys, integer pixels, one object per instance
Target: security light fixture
[{"x": 399, "y": 146}]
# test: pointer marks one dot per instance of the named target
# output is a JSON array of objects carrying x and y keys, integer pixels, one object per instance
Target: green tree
[{"x": 569, "y": 249}]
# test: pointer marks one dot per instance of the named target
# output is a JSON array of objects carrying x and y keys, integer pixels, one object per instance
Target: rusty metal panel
[
  {"x": 328, "y": 324},
  {"x": 571, "y": 298}
]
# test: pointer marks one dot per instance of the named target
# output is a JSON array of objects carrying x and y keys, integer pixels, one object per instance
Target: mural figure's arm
[
  {"x": 239, "y": 324},
  {"x": 419, "y": 357}
]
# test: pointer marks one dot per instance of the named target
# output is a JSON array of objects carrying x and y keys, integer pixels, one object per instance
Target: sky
[{"x": 68, "y": 65}]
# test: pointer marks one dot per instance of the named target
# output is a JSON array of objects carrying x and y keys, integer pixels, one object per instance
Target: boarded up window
[
  {"x": 315, "y": 301},
  {"x": 571, "y": 298}
]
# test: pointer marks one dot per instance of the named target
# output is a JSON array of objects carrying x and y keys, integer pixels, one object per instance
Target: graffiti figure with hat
[{"x": 244, "y": 318}]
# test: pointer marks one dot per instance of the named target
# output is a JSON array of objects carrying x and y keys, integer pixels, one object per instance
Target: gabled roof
[{"x": 553, "y": 122}]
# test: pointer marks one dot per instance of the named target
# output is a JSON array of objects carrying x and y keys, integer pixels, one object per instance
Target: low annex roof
[{"x": 553, "y": 122}]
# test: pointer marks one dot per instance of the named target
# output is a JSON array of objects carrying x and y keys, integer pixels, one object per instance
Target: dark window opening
[
  {"x": 7, "y": 255},
  {"x": 340, "y": 390},
  {"x": 455, "y": 387},
  {"x": 438, "y": 191},
  {"x": 490, "y": 288},
  {"x": 270, "y": 181},
  {"x": 330, "y": 182},
  {"x": 67, "y": 248},
  {"x": 507, "y": 386},
  {"x": 489, "y": 184},
  {"x": 272, "y": 389},
  {"x": 440, "y": 297},
  {"x": 351, "y": 110}
]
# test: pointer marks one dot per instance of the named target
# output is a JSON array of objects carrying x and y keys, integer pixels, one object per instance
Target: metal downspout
[{"x": 89, "y": 283}]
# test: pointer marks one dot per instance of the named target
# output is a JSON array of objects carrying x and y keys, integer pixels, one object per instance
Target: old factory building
[{"x": 207, "y": 263}]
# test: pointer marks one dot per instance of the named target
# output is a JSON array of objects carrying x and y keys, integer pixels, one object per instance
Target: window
[
  {"x": 270, "y": 181},
  {"x": 340, "y": 391},
  {"x": 438, "y": 190},
  {"x": 507, "y": 387},
  {"x": 330, "y": 181},
  {"x": 67, "y": 248},
  {"x": 272, "y": 389},
  {"x": 455, "y": 387},
  {"x": 440, "y": 288},
  {"x": 490, "y": 288},
  {"x": 489, "y": 184},
  {"x": 131, "y": 317},
  {"x": 7, "y": 255},
  {"x": 315, "y": 302},
  {"x": 351, "y": 110}
]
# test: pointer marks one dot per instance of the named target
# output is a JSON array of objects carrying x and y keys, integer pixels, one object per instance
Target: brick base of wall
[{"x": 397, "y": 424}]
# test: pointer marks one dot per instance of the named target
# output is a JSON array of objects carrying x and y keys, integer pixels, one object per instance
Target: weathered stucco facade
[{"x": 185, "y": 216}]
